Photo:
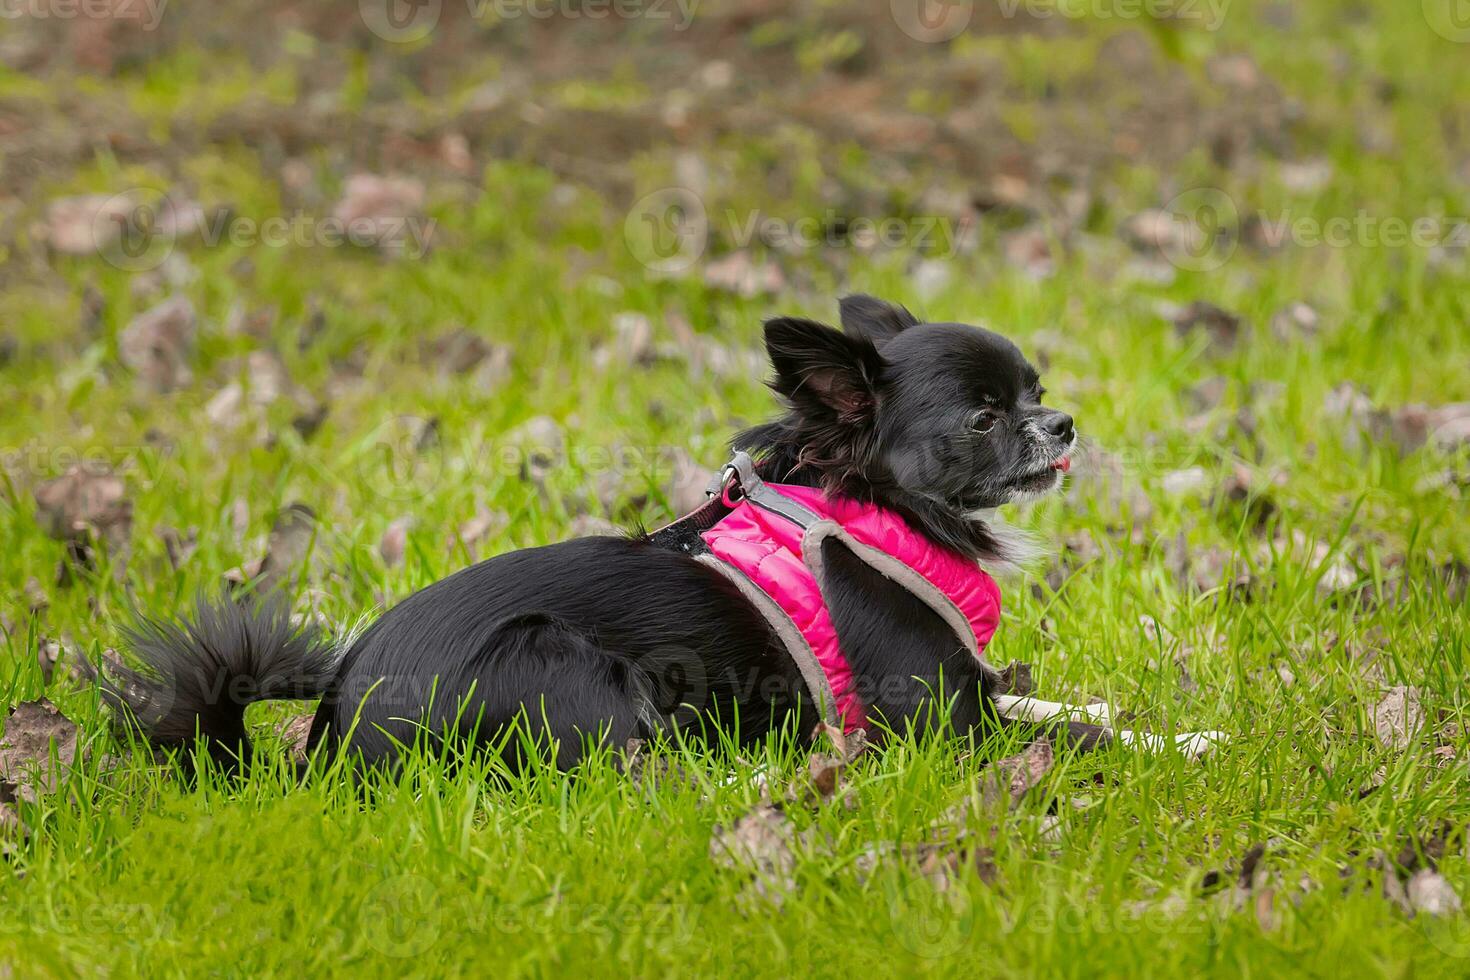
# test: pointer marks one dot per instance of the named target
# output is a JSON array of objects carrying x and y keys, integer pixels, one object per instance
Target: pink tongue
[{"x": 1064, "y": 464}]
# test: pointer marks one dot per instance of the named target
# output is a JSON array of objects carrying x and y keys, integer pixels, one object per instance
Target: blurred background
[
  {"x": 343, "y": 296},
  {"x": 441, "y": 277}
]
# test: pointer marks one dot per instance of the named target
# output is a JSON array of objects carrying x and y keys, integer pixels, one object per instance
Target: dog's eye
[{"x": 983, "y": 421}]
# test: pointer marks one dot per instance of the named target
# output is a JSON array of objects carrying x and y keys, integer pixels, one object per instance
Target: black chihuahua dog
[{"x": 617, "y": 638}]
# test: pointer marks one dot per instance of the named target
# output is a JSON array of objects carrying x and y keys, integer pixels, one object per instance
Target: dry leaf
[
  {"x": 540, "y": 442},
  {"x": 1306, "y": 176},
  {"x": 1428, "y": 892},
  {"x": 1029, "y": 250},
  {"x": 1350, "y": 405},
  {"x": 1446, "y": 427},
  {"x": 12, "y": 828},
  {"x": 647, "y": 770},
  {"x": 1015, "y": 679},
  {"x": 266, "y": 377},
  {"x": 761, "y": 843},
  {"x": 84, "y": 501},
  {"x": 87, "y": 224},
  {"x": 394, "y": 541},
  {"x": 1393, "y": 888},
  {"x": 1190, "y": 480},
  {"x": 1295, "y": 320},
  {"x": 224, "y": 409},
  {"x": 738, "y": 273},
  {"x": 36, "y": 600},
  {"x": 34, "y": 731},
  {"x": 179, "y": 547},
  {"x": 1006, "y": 781},
  {"x": 159, "y": 343},
  {"x": 704, "y": 354},
  {"x": 687, "y": 483},
  {"x": 49, "y": 653},
  {"x": 631, "y": 345},
  {"x": 461, "y": 351},
  {"x": 1397, "y": 718},
  {"x": 1220, "y": 326},
  {"x": 1249, "y": 865},
  {"x": 454, "y": 151},
  {"x": 942, "y": 862},
  {"x": 1159, "y": 232},
  {"x": 294, "y": 732},
  {"x": 825, "y": 773},
  {"x": 309, "y": 419},
  {"x": 289, "y": 541},
  {"x": 1265, "y": 909},
  {"x": 482, "y": 525},
  {"x": 931, "y": 277},
  {"x": 849, "y": 745},
  {"x": 379, "y": 209}
]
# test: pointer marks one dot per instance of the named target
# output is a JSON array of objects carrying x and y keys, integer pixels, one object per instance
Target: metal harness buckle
[{"x": 738, "y": 473}]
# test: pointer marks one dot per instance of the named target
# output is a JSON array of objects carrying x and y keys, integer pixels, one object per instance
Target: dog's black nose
[{"x": 1059, "y": 425}]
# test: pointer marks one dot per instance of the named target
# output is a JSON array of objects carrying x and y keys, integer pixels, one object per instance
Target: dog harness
[
  {"x": 767, "y": 539},
  {"x": 769, "y": 545}
]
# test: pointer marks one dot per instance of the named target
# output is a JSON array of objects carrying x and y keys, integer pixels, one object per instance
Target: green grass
[{"x": 128, "y": 871}]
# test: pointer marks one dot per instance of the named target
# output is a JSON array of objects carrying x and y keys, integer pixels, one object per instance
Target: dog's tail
[{"x": 200, "y": 673}]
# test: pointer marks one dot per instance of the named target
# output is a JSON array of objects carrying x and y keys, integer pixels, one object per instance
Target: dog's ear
[
  {"x": 820, "y": 368},
  {"x": 872, "y": 319}
]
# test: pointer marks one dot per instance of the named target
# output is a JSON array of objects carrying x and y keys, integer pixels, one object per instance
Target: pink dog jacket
[{"x": 770, "y": 546}]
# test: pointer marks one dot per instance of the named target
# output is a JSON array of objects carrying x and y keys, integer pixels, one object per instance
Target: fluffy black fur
[{"x": 608, "y": 639}]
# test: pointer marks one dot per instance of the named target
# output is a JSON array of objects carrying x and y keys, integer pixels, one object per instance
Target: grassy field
[{"x": 1267, "y": 534}]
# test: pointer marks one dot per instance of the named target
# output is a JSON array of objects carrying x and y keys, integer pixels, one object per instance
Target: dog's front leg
[
  {"x": 908, "y": 666},
  {"x": 1086, "y": 737}
]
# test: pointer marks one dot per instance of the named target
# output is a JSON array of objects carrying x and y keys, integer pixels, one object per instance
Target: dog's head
[{"x": 942, "y": 420}]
